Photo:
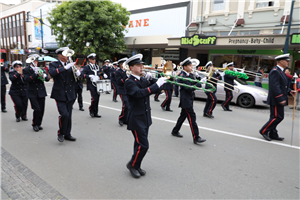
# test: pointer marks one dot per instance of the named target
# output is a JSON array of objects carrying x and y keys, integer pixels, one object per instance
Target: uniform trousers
[
  {"x": 276, "y": 116},
  {"x": 38, "y": 106},
  {"x": 95, "y": 96},
  {"x": 228, "y": 99},
  {"x": 20, "y": 104},
  {"x": 167, "y": 102},
  {"x": 176, "y": 89},
  {"x": 157, "y": 95},
  {"x": 125, "y": 106},
  {"x": 211, "y": 103},
  {"x": 113, "y": 85},
  {"x": 140, "y": 148},
  {"x": 3, "y": 99},
  {"x": 191, "y": 116},
  {"x": 78, "y": 93},
  {"x": 65, "y": 119}
]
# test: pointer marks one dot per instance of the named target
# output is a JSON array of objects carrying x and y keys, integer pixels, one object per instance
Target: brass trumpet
[{"x": 69, "y": 53}]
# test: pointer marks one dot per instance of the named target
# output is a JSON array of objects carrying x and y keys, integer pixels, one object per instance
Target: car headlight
[{"x": 263, "y": 94}]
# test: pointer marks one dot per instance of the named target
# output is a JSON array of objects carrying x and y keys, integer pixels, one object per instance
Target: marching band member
[
  {"x": 277, "y": 98},
  {"x": 168, "y": 88},
  {"x": 212, "y": 100},
  {"x": 35, "y": 78},
  {"x": 106, "y": 70},
  {"x": 4, "y": 82},
  {"x": 114, "y": 81},
  {"x": 121, "y": 76},
  {"x": 63, "y": 91},
  {"x": 18, "y": 91},
  {"x": 78, "y": 92},
  {"x": 159, "y": 70},
  {"x": 186, "y": 103},
  {"x": 138, "y": 90},
  {"x": 230, "y": 80},
  {"x": 92, "y": 72}
]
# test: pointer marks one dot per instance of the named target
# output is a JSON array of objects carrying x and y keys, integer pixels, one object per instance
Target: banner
[{"x": 37, "y": 29}]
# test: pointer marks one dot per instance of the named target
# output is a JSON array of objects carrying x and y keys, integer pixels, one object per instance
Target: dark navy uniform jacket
[
  {"x": 278, "y": 87},
  {"x": 35, "y": 87},
  {"x": 213, "y": 81},
  {"x": 18, "y": 84},
  {"x": 113, "y": 74},
  {"x": 138, "y": 92},
  {"x": 106, "y": 70},
  {"x": 3, "y": 77},
  {"x": 230, "y": 80},
  {"x": 79, "y": 84},
  {"x": 64, "y": 82},
  {"x": 121, "y": 76},
  {"x": 187, "y": 94},
  {"x": 85, "y": 74}
]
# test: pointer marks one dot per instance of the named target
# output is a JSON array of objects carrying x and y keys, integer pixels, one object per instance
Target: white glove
[
  {"x": 45, "y": 75},
  {"x": 95, "y": 79},
  {"x": 91, "y": 76},
  {"x": 36, "y": 70},
  {"x": 78, "y": 73},
  {"x": 68, "y": 66},
  {"x": 148, "y": 76},
  {"x": 161, "y": 81},
  {"x": 196, "y": 74},
  {"x": 204, "y": 79},
  {"x": 105, "y": 76},
  {"x": 234, "y": 69}
]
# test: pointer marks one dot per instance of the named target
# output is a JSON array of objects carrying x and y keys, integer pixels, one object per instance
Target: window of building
[
  {"x": 211, "y": 33},
  {"x": 17, "y": 18},
  {"x": 21, "y": 19},
  {"x": 52, "y": 32},
  {"x": 29, "y": 38},
  {"x": 264, "y": 3},
  {"x": 218, "y": 5},
  {"x": 225, "y": 33},
  {"x": 244, "y": 32},
  {"x": 276, "y": 31},
  {"x": 294, "y": 30},
  {"x": 254, "y": 32},
  {"x": 9, "y": 22}
]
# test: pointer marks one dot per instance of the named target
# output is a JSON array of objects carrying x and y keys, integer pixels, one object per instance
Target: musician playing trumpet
[
  {"x": 35, "y": 78},
  {"x": 230, "y": 80}
]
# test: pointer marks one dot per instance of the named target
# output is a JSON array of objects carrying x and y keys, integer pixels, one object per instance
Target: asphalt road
[{"x": 234, "y": 163}]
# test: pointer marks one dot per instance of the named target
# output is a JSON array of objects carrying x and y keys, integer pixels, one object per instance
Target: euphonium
[{"x": 69, "y": 53}]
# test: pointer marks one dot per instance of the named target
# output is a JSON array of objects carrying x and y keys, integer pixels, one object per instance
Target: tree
[{"x": 99, "y": 23}]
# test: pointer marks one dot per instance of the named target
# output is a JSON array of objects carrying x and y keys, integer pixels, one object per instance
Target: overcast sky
[{"x": 129, "y": 4}]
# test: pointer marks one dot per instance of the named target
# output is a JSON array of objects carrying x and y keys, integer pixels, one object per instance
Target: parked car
[{"x": 248, "y": 96}]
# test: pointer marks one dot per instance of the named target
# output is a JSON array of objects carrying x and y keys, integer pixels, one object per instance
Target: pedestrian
[
  {"x": 259, "y": 77},
  {"x": 138, "y": 90},
  {"x": 229, "y": 88},
  {"x": 187, "y": 96},
  {"x": 78, "y": 91},
  {"x": 121, "y": 76},
  {"x": 106, "y": 70},
  {"x": 93, "y": 73},
  {"x": 35, "y": 77},
  {"x": 18, "y": 91},
  {"x": 287, "y": 72},
  {"x": 63, "y": 91},
  {"x": 211, "y": 100},
  {"x": 277, "y": 98},
  {"x": 114, "y": 81},
  {"x": 4, "y": 82},
  {"x": 297, "y": 89}
]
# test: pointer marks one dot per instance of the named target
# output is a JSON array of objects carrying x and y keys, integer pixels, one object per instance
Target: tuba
[{"x": 69, "y": 53}]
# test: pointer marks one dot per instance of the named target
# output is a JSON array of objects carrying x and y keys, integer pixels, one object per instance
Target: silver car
[{"x": 248, "y": 96}]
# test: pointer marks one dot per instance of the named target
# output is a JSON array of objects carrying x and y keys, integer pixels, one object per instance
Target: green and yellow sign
[
  {"x": 197, "y": 40},
  {"x": 295, "y": 38}
]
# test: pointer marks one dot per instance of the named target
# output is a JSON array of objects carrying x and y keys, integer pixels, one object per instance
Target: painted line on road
[{"x": 213, "y": 130}]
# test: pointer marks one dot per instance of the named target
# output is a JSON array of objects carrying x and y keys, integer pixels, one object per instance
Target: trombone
[
  {"x": 69, "y": 53},
  {"x": 249, "y": 73}
]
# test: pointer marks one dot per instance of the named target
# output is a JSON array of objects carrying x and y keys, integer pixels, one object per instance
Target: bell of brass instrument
[{"x": 69, "y": 53}]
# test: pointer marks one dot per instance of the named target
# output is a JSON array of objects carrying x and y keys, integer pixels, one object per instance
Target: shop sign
[
  {"x": 197, "y": 40},
  {"x": 3, "y": 51},
  {"x": 295, "y": 38},
  {"x": 267, "y": 40},
  {"x": 17, "y": 51}
]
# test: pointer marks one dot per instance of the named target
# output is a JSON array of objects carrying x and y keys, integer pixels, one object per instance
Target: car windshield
[{"x": 240, "y": 81}]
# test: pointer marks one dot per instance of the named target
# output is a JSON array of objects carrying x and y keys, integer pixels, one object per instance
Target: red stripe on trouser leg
[
  {"x": 163, "y": 104},
  {"x": 190, "y": 120},
  {"x": 227, "y": 99},
  {"x": 14, "y": 105},
  {"x": 92, "y": 101},
  {"x": 212, "y": 103},
  {"x": 115, "y": 94},
  {"x": 271, "y": 121},
  {"x": 123, "y": 107},
  {"x": 139, "y": 149}
]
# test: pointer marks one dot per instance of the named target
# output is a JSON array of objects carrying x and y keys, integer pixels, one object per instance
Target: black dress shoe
[
  {"x": 70, "y": 138},
  {"x": 115, "y": 100},
  {"x": 98, "y": 116},
  {"x": 41, "y": 128},
  {"x": 199, "y": 140},
  {"x": 18, "y": 120},
  {"x": 60, "y": 138},
  {"x": 36, "y": 128},
  {"x": 121, "y": 122},
  {"x": 4, "y": 110},
  {"x": 141, "y": 171},
  {"x": 229, "y": 110},
  {"x": 278, "y": 138},
  {"x": 207, "y": 115},
  {"x": 157, "y": 100},
  {"x": 107, "y": 92},
  {"x": 176, "y": 134},
  {"x": 163, "y": 108},
  {"x": 134, "y": 172},
  {"x": 224, "y": 108},
  {"x": 24, "y": 118},
  {"x": 81, "y": 109},
  {"x": 92, "y": 114},
  {"x": 169, "y": 110},
  {"x": 266, "y": 136}
]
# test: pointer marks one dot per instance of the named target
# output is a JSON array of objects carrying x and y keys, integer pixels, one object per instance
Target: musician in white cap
[
  {"x": 114, "y": 81},
  {"x": 277, "y": 98},
  {"x": 228, "y": 90},
  {"x": 18, "y": 91},
  {"x": 63, "y": 91},
  {"x": 186, "y": 103},
  {"x": 35, "y": 77},
  {"x": 138, "y": 89},
  {"x": 92, "y": 73},
  {"x": 121, "y": 76},
  {"x": 106, "y": 70}
]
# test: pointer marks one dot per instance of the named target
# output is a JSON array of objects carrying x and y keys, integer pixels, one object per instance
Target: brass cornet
[{"x": 69, "y": 53}]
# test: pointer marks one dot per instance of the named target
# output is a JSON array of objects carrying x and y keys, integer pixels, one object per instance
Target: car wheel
[{"x": 246, "y": 101}]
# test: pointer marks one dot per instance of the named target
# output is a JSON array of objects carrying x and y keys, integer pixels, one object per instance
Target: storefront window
[
  {"x": 218, "y": 5},
  {"x": 267, "y": 63},
  {"x": 220, "y": 60}
]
